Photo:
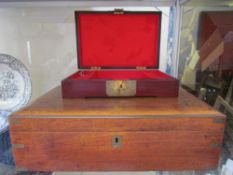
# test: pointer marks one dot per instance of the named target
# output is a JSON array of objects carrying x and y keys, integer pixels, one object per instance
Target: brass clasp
[
  {"x": 118, "y": 11},
  {"x": 121, "y": 87}
]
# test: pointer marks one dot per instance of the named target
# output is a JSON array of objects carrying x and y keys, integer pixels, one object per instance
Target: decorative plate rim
[{"x": 16, "y": 65}]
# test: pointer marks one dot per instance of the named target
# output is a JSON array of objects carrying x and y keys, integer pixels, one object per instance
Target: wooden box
[
  {"x": 118, "y": 55},
  {"x": 116, "y": 134}
]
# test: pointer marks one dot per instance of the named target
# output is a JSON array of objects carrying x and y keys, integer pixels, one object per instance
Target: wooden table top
[{"x": 52, "y": 104}]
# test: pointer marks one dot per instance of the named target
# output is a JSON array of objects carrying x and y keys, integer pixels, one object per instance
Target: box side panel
[
  {"x": 97, "y": 88},
  {"x": 137, "y": 151},
  {"x": 158, "y": 88},
  {"x": 83, "y": 88}
]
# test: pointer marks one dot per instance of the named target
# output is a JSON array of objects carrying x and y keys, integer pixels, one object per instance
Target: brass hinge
[
  {"x": 15, "y": 121},
  {"x": 219, "y": 120},
  {"x": 141, "y": 68},
  {"x": 95, "y": 68},
  {"x": 18, "y": 146},
  {"x": 118, "y": 11},
  {"x": 21, "y": 169},
  {"x": 215, "y": 145}
]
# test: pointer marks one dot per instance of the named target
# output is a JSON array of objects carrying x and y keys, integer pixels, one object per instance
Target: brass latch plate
[{"x": 121, "y": 88}]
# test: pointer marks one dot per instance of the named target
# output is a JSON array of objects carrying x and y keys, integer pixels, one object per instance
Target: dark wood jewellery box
[{"x": 118, "y": 55}]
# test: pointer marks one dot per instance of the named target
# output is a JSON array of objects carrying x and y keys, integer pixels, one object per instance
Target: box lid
[{"x": 118, "y": 40}]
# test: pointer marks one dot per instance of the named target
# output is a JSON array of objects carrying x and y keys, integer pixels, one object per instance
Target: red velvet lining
[
  {"x": 119, "y": 75},
  {"x": 109, "y": 40}
]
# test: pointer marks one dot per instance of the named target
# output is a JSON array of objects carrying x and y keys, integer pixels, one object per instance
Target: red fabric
[
  {"x": 110, "y": 40},
  {"x": 119, "y": 75}
]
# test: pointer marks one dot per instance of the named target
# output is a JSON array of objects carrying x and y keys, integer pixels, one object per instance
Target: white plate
[
  {"x": 15, "y": 85},
  {"x": 3, "y": 124}
]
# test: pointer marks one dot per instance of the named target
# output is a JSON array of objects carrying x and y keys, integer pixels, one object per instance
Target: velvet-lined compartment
[
  {"x": 118, "y": 41},
  {"x": 119, "y": 75}
]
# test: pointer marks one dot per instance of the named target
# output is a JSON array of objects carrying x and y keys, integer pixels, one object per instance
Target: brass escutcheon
[
  {"x": 121, "y": 87},
  {"x": 116, "y": 141}
]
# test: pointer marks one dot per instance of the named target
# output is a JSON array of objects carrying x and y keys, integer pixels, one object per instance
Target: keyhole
[
  {"x": 116, "y": 141},
  {"x": 121, "y": 86}
]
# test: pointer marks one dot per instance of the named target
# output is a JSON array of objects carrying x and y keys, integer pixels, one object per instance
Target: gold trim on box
[
  {"x": 219, "y": 120},
  {"x": 15, "y": 121},
  {"x": 18, "y": 146},
  {"x": 126, "y": 88}
]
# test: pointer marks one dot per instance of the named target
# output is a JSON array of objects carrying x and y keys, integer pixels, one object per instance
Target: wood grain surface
[
  {"x": 56, "y": 134},
  {"x": 66, "y": 124},
  {"x": 52, "y": 104},
  {"x": 93, "y": 151}
]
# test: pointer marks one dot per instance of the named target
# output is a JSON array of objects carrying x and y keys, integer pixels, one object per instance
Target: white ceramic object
[
  {"x": 15, "y": 87},
  {"x": 3, "y": 124},
  {"x": 227, "y": 169}
]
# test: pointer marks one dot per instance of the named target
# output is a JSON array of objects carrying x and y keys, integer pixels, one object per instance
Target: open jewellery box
[{"x": 118, "y": 56}]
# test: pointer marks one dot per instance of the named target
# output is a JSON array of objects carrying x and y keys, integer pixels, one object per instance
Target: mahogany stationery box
[
  {"x": 118, "y": 55},
  {"x": 116, "y": 134}
]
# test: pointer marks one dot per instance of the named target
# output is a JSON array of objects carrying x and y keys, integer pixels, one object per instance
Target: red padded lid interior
[{"x": 126, "y": 40}]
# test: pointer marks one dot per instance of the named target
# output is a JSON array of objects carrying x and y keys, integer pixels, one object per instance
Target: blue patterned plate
[{"x": 15, "y": 87}]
